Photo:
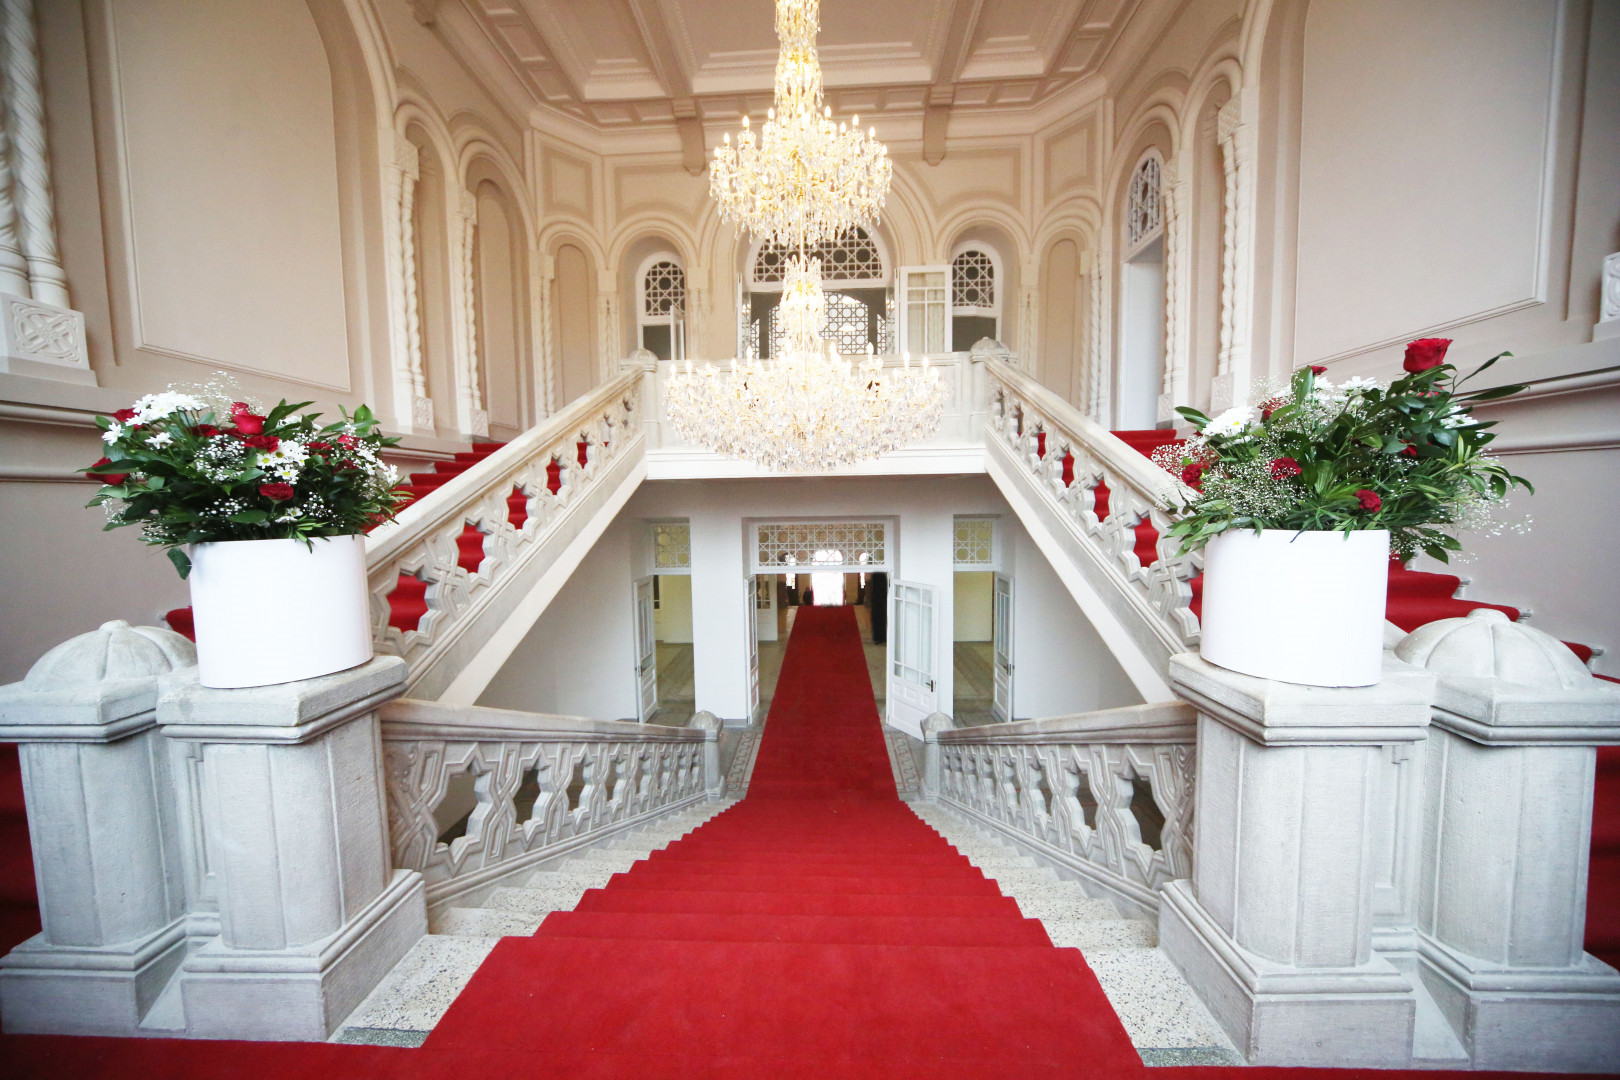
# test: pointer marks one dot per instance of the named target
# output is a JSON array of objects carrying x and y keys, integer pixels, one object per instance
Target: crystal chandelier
[
  {"x": 805, "y": 180},
  {"x": 809, "y": 409}
]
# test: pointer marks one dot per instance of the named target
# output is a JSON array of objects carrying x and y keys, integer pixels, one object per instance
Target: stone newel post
[
  {"x": 101, "y": 821},
  {"x": 1275, "y": 928},
  {"x": 311, "y": 915},
  {"x": 1501, "y": 912}
]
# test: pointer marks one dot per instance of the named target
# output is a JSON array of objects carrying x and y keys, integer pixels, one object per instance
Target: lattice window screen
[
  {"x": 853, "y": 545},
  {"x": 663, "y": 290},
  {"x": 672, "y": 545},
  {"x": 846, "y": 325},
  {"x": 1142, "y": 212},
  {"x": 973, "y": 282},
  {"x": 975, "y": 541},
  {"x": 852, "y": 256}
]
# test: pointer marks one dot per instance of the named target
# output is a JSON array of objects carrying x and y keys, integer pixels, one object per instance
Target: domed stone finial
[
  {"x": 1488, "y": 645},
  {"x": 114, "y": 651}
]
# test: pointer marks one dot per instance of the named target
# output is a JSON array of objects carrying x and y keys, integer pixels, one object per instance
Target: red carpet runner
[{"x": 816, "y": 930}]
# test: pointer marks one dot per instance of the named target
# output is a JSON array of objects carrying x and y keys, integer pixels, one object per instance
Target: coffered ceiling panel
[{"x": 650, "y": 63}]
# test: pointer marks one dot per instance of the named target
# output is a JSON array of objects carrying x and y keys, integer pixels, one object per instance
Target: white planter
[
  {"x": 272, "y": 611},
  {"x": 1299, "y": 607}
]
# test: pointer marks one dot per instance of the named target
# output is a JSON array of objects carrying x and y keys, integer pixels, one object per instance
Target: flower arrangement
[
  {"x": 1408, "y": 457},
  {"x": 192, "y": 465}
]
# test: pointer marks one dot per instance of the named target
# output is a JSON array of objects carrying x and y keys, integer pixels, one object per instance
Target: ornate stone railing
[
  {"x": 535, "y": 786},
  {"x": 1103, "y": 502},
  {"x": 1106, "y": 794},
  {"x": 461, "y": 557}
]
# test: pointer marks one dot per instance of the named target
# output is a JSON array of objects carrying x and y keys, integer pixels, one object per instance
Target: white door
[
  {"x": 911, "y": 656},
  {"x": 646, "y": 651},
  {"x": 753, "y": 649},
  {"x": 925, "y": 309},
  {"x": 1001, "y": 648}
]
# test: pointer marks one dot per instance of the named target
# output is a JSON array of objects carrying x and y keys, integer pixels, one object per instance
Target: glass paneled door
[
  {"x": 911, "y": 693},
  {"x": 646, "y": 651},
  {"x": 1001, "y": 648}
]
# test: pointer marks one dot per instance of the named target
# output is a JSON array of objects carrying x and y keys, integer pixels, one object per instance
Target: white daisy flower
[
  {"x": 112, "y": 434},
  {"x": 162, "y": 438},
  {"x": 1230, "y": 422}
]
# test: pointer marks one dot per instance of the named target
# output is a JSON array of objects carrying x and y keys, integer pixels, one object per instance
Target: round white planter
[
  {"x": 1299, "y": 607},
  {"x": 272, "y": 611}
]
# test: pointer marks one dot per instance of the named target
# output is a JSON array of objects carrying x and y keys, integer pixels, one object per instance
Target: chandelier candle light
[{"x": 805, "y": 180}]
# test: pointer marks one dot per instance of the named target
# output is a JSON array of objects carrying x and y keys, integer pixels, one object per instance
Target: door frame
[
  {"x": 911, "y": 702},
  {"x": 641, "y": 597}
]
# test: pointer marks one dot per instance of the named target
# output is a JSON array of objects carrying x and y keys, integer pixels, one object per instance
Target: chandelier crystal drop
[{"x": 805, "y": 180}]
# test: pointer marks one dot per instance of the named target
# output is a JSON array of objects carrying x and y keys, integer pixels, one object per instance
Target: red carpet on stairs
[
  {"x": 19, "y": 906},
  {"x": 816, "y": 931}
]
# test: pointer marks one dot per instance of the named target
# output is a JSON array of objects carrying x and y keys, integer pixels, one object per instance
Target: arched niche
[
  {"x": 500, "y": 298},
  {"x": 430, "y": 225},
  {"x": 573, "y": 306}
]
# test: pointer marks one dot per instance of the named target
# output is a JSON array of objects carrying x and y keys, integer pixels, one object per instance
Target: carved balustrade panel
[
  {"x": 427, "y": 574},
  {"x": 1114, "y": 498},
  {"x": 538, "y": 781},
  {"x": 1086, "y": 786}
]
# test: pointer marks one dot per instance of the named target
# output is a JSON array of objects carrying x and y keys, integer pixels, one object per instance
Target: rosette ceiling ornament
[{"x": 803, "y": 180}]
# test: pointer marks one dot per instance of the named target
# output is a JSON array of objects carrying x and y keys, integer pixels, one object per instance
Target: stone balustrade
[
  {"x": 460, "y": 560},
  {"x": 1104, "y": 504},
  {"x": 532, "y": 786},
  {"x": 1107, "y": 795}
]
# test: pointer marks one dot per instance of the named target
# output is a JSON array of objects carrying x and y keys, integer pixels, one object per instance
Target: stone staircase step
[
  {"x": 567, "y": 880},
  {"x": 485, "y": 922},
  {"x": 1066, "y": 907},
  {"x": 538, "y": 900},
  {"x": 1089, "y": 934}
]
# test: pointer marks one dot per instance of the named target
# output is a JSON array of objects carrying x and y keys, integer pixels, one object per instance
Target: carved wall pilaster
[
  {"x": 412, "y": 407},
  {"x": 1233, "y": 368},
  {"x": 1177, "y": 195},
  {"x": 472, "y": 416}
]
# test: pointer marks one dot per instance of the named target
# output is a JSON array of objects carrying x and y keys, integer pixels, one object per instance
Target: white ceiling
[{"x": 626, "y": 63}]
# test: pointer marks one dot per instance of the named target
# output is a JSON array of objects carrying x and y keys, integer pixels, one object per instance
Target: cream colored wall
[
  {"x": 971, "y": 616},
  {"x": 672, "y": 621}
]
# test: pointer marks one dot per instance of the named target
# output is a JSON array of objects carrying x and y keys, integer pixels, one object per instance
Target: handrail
[
  {"x": 589, "y": 778},
  {"x": 1108, "y": 505},
  {"x": 1106, "y": 794},
  {"x": 445, "y": 564}
]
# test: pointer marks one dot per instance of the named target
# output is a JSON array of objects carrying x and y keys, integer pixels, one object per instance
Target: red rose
[
  {"x": 1284, "y": 468},
  {"x": 348, "y": 442},
  {"x": 248, "y": 423},
  {"x": 124, "y": 416},
  {"x": 1318, "y": 370},
  {"x": 205, "y": 431},
  {"x": 1425, "y": 353},
  {"x": 1409, "y": 451},
  {"x": 1369, "y": 500},
  {"x": 110, "y": 479},
  {"x": 347, "y": 464},
  {"x": 276, "y": 492},
  {"x": 239, "y": 407},
  {"x": 318, "y": 445},
  {"x": 262, "y": 442},
  {"x": 1192, "y": 475}
]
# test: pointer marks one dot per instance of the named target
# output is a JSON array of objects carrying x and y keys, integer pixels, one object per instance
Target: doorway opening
[
  {"x": 973, "y": 693},
  {"x": 672, "y": 638},
  {"x": 1141, "y": 369}
]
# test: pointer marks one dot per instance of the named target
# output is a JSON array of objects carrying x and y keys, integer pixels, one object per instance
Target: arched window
[
  {"x": 1140, "y": 373},
  {"x": 1144, "y": 220},
  {"x": 975, "y": 296},
  {"x": 850, "y": 256},
  {"x": 854, "y": 272},
  {"x": 661, "y": 311}
]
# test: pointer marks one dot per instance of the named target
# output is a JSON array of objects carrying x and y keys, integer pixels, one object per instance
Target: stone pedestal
[
  {"x": 1275, "y": 928},
  {"x": 1506, "y": 841},
  {"x": 292, "y": 803},
  {"x": 100, "y": 818}
]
